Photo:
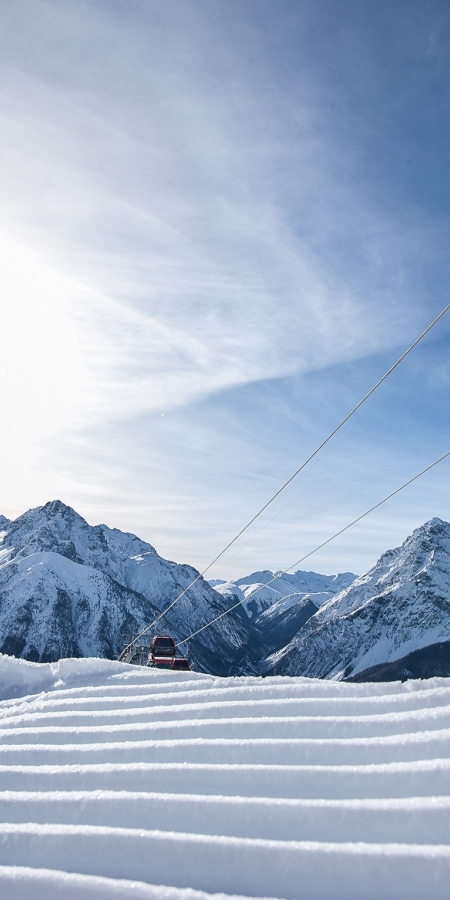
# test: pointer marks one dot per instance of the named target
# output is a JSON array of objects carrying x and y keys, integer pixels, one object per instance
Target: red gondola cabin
[
  {"x": 180, "y": 664},
  {"x": 163, "y": 651}
]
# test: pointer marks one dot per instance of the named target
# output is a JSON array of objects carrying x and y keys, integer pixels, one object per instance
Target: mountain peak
[
  {"x": 55, "y": 518},
  {"x": 58, "y": 508},
  {"x": 436, "y": 526},
  {"x": 400, "y": 605},
  {"x": 432, "y": 526}
]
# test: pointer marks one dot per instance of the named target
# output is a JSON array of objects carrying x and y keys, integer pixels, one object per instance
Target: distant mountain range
[
  {"x": 260, "y": 591},
  {"x": 71, "y": 589}
]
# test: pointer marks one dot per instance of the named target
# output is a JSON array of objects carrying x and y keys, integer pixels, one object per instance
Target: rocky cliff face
[
  {"x": 398, "y": 607},
  {"x": 70, "y": 589}
]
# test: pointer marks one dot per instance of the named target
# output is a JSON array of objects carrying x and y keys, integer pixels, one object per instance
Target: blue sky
[{"x": 220, "y": 223}]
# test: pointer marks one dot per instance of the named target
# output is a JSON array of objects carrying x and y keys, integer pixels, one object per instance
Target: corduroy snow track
[{"x": 156, "y": 784}]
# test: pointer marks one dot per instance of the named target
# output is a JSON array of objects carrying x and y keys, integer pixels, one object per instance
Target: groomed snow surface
[{"x": 123, "y": 782}]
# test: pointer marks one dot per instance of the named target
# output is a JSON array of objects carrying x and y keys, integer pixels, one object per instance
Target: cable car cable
[
  {"x": 369, "y": 427},
  {"x": 288, "y": 481},
  {"x": 319, "y": 547},
  {"x": 283, "y": 508}
]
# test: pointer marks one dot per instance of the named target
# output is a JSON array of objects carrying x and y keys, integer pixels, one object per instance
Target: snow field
[{"x": 146, "y": 784}]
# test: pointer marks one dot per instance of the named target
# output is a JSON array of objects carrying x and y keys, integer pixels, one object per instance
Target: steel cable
[
  {"x": 319, "y": 547},
  {"x": 288, "y": 481}
]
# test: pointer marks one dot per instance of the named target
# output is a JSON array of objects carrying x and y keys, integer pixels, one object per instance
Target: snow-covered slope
[
  {"x": 283, "y": 589},
  {"x": 69, "y": 589},
  {"x": 279, "y": 623},
  {"x": 120, "y": 781},
  {"x": 399, "y": 606}
]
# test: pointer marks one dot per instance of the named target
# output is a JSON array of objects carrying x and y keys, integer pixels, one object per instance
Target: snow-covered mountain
[
  {"x": 70, "y": 589},
  {"x": 287, "y": 590},
  {"x": 398, "y": 607}
]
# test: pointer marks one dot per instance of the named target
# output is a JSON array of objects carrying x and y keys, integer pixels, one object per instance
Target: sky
[{"x": 220, "y": 224}]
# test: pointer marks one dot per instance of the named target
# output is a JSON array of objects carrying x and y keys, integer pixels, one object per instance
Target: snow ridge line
[
  {"x": 276, "y": 708},
  {"x": 354, "y": 791}
]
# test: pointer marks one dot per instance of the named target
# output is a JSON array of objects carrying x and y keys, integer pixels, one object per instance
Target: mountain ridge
[
  {"x": 262, "y": 589},
  {"x": 71, "y": 589},
  {"x": 400, "y": 605}
]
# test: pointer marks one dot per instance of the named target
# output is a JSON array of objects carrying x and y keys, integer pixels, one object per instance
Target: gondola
[{"x": 162, "y": 651}]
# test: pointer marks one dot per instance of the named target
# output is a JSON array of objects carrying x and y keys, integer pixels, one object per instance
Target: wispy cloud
[
  {"x": 226, "y": 239},
  {"x": 202, "y": 187}
]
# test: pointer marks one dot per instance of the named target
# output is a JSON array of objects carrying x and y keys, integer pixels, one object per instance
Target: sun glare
[
  {"x": 44, "y": 368},
  {"x": 43, "y": 361}
]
